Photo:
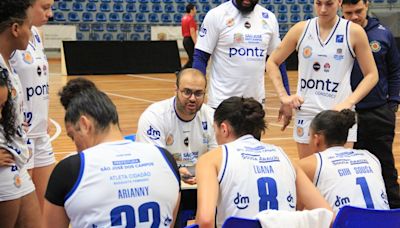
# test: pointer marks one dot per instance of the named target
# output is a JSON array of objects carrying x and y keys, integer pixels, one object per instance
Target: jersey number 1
[{"x": 365, "y": 191}]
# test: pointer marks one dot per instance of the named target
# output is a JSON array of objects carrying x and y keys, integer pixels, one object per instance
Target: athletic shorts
[
  {"x": 14, "y": 183},
  {"x": 41, "y": 152},
  {"x": 301, "y": 133}
]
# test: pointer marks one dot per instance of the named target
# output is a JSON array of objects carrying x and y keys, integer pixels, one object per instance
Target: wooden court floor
[{"x": 133, "y": 93}]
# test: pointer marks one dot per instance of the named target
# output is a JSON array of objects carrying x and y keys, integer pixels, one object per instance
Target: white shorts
[
  {"x": 41, "y": 152},
  {"x": 301, "y": 133},
  {"x": 14, "y": 183}
]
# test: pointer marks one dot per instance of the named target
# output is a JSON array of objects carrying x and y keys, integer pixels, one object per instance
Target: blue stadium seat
[
  {"x": 143, "y": 1},
  {"x": 93, "y": 0},
  {"x": 87, "y": 16},
  {"x": 105, "y": 7},
  {"x": 118, "y": 1},
  {"x": 73, "y": 17},
  {"x": 155, "y": 1},
  {"x": 107, "y": 1},
  {"x": 148, "y": 28},
  {"x": 77, "y": 6},
  {"x": 140, "y": 17},
  {"x": 168, "y": 1},
  {"x": 118, "y": 7},
  {"x": 131, "y": 8},
  {"x": 278, "y": 2},
  {"x": 180, "y": 1},
  {"x": 302, "y": 2},
  {"x": 130, "y": 1},
  {"x": 144, "y": 8},
  {"x": 153, "y": 18},
  {"x": 147, "y": 36},
  {"x": 377, "y": 1},
  {"x": 156, "y": 8},
  {"x": 308, "y": 16},
  {"x": 101, "y": 17},
  {"x": 271, "y": 8},
  {"x": 83, "y": 27},
  {"x": 166, "y": 18},
  {"x": 282, "y": 9},
  {"x": 192, "y": 1},
  {"x": 94, "y": 36},
  {"x": 121, "y": 36},
  {"x": 125, "y": 28},
  {"x": 98, "y": 27},
  {"x": 169, "y": 8},
  {"x": 201, "y": 17},
  {"x": 127, "y": 17},
  {"x": 290, "y": 1},
  {"x": 282, "y": 18},
  {"x": 53, "y": 7},
  {"x": 177, "y": 18},
  {"x": 206, "y": 7},
  {"x": 135, "y": 37},
  {"x": 59, "y": 16},
  {"x": 114, "y": 17},
  {"x": 63, "y": 6},
  {"x": 204, "y": 1},
  {"x": 79, "y": 36},
  {"x": 111, "y": 27},
  {"x": 294, "y": 18},
  {"x": 91, "y": 6},
  {"x": 216, "y": 2},
  {"x": 283, "y": 28},
  {"x": 138, "y": 28},
  {"x": 307, "y": 8},
  {"x": 294, "y": 9},
  {"x": 181, "y": 8},
  {"x": 108, "y": 36}
]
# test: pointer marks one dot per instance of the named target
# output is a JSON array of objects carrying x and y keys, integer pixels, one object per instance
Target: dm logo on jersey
[
  {"x": 327, "y": 67},
  {"x": 17, "y": 181},
  {"x": 202, "y": 32},
  {"x": 170, "y": 140},
  {"x": 375, "y": 46},
  {"x": 265, "y": 15},
  {"x": 247, "y": 25},
  {"x": 238, "y": 38},
  {"x": 204, "y": 125},
  {"x": 316, "y": 66},
  {"x": 27, "y": 57},
  {"x": 241, "y": 202},
  {"x": 307, "y": 52},
  {"x": 339, "y": 38},
  {"x": 153, "y": 133},
  {"x": 230, "y": 22}
]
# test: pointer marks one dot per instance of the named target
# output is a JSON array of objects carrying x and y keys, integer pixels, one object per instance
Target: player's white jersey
[
  {"x": 254, "y": 176},
  {"x": 186, "y": 140},
  {"x": 18, "y": 145},
  {"x": 239, "y": 45},
  {"x": 350, "y": 177},
  {"x": 33, "y": 69},
  {"x": 138, "y": 185},
  {"x": 324, "y": 67}
]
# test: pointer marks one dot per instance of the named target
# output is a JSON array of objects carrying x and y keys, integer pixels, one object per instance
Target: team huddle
[{"x": 348, "y": 84}]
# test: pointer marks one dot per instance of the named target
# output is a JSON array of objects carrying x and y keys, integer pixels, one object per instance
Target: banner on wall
[
  {"x": 55, "y": 34},
  {"x": 167, "y": 33}
]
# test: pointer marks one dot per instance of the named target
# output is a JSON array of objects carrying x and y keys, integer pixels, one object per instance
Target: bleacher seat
[
  {"x": 138, "y": 28},
  {"x": 216, "y": 2},
  {"x": 73, "y": 17},
  {"x": 192, "y": 1},
  {"x": 169, "y": 8},
  {"x": 155, "y": 1},
  {"x": 63, "y": 6},
  {"x": 98, "y": 27},
  {"x": 201, "y": 17},
  {"x": 156, "y": 8},
  {"x": 118, "y": 7},
  {"x": 121, "y": 36},
  {"x": 127, "y": 17},
  {"x": 278, "y": 2},
  {"x": 282, "y": 18},
  {"x": 125, "y": 28},
  {"x": 87, "y": 16},
  {"x": 83, "y": 27},
  {"x": 140, "y": 17},
  {"x": 108, "y": 36},
  {"x": 166, "y": 18},
  {"x": 101, "y": 17},
  {"x": 147, "y": 36},
  {"x": 59, "y": 16},
  {"x": 91, "y": 6},
  {"x": 289, "y": 2},
  {"x": 307, "y": 9},
  {"x": 105, "y": 7},
  {"x": 378, "y": 1},
  {"x": 266, "y": 2},
  {"x": 180, "y": 1},
  {"x": 153, "y": 18},
  {"x": 283, "y": 28},
  {"x": 130, "y": 1},
  {"x": 302, "y": 2},
  {"x": 294, "y": 18},
  {"x": 118, "y": 1},
  {"x": 135, "y": 37},
  {"x": 282, "y": 9},
  {"x": 93, "y": 0},
  {"x": 94, "y": 36},
  {"x": 111, "y": 27},
  {"x": 143, "y": 1},
  {"x": 131, "y": 8},
  {"x": 295, "y": 9},
  {"x": 205, "y": 8},
  {"x": 144, "y": 8},
  {"x": 307, "y": 16},
  {"x": 106, "y": 1},
  {"x": 181, "y": 8},
  {"x": 168, "y": 1},
  {"x": 79, "y": 36},
  {"x": 114, "y": 17},
  {"x": 271, "y": 8},
  {"x": 148, "y": 28},
  {"x": 77, "y": 6},
  {"x": 177, "y": 18}
]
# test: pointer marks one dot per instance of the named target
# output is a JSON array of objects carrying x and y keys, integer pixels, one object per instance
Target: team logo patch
[
  {"x": 13, "y": 93},
  {"x": 327, "y": 67},
  {"x": 169, "y": 140},
  {"x": 230, "y": 22},
  {"x": 316, "y": 66},
  {"x": 338, "y": 55},
  {"x": 300, "y": 131},
  {"x": 39, "y": 71},
  {"x": 45, "y": 69},
  {"x": 339, "y": 38},
  {"x": 307, "y": 52},
  {"x": 27, "y": 57},
  {"x": 17, "y": 181},
  {"x": 177, "y": 157},
  {"x": 202, "y": 32},
  {"x": 375, "y": 46},
  {"x": 204, "y": 125},
  {"x": 265, "y": 15},
  {"x": 247, "y": 25},
  {"x": 238, "y": 38}
]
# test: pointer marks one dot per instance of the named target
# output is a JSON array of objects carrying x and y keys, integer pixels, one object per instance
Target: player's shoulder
[
  {"x": 220, "y": 10},
  {"x": 160, "y": 107}
]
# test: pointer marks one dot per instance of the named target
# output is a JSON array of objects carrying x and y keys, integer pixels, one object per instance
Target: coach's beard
[{"x": 246, "y": 9}]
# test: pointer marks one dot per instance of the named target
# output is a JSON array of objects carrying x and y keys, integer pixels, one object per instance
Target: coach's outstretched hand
[
  {"x": 294, "y": 101},
  {"x": 285, "y": 113}
]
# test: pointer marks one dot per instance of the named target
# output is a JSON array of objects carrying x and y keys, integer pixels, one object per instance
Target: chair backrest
[
  {"x": 236, "y": 222},
  {"x": 350, "y": 216}
]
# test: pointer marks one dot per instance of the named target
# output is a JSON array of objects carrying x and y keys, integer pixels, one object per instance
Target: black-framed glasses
[{"x": 187, "y": 93}]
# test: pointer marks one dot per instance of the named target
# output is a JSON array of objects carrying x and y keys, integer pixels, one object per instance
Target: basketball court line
[
  {"x": 150, "y": 78},
  {"x": 58, "y": 129}
]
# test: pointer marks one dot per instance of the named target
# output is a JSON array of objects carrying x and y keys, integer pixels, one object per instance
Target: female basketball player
[
  {"x": 343, "y": 176},
  {"x": 18, "y": 203},
  {"x": 327, "y": 46},
  {"x": 245, "y": 176},
  {"x": 33, "y": 70}
]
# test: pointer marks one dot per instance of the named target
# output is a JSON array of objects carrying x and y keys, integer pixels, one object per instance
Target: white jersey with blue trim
[
  {"x": 32, "y": 67},
  {"x": 350, "y": 177},
  {"x": 136, "y": 183},
  {"x": 18, "y": 145},
  {"x": 186, "y": 140},
  {"x": 239, "y": 44},
  {"x": 324, "y": 67},
  {"x": 254, "y": 176}
]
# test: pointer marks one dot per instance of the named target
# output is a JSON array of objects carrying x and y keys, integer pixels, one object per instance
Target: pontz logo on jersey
[
  {"x": 38, "y": 91},
  {"x": 238, "y": 38},
  {"x": 27, "y": 57},
  {"x": 307, "y": 52},
  {"x": 375, "y": 46},
  {"x": 339, "y": 38},
  {"x": 153, "y": 133},
  {"x": 316, "y": 66},
  {"x": 202, "y": 31},
  {"x": 241, "y": 202},
  {"x": 325, "y": 87},
  {"x": 265, "y": 15},
  {"x": 230, "y": 22},
  {"x": 327, "y": 67},
  {"x": 248, "y": 52},
  {"x": 338, "y": 55}
]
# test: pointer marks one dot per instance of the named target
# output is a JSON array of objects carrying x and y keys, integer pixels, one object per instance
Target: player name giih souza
[
  {"x": 133, "y": 192},
  {"x": 358, "y": 170}
]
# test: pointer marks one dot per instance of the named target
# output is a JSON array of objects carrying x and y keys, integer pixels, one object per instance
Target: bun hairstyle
[
  {"x": 73, "y": 88},
  {"x": 334, "y": 125},
  {"x": 245, "y": 115}
]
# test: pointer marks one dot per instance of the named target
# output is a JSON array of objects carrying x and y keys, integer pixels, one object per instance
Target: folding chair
[{"x": 236, "y": 222}]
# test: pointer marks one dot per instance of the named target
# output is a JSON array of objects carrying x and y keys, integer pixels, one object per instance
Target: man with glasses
[{"x": 181, "y": 124}]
